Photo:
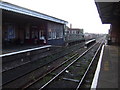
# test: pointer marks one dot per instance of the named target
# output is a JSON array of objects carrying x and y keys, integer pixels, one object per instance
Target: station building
[{"x": 24, "y": 26}]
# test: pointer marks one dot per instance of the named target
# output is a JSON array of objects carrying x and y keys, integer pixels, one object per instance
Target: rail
[
  {"x": 66, "y": 67},
  {"x": 95, "y": 79},
  {"x": 79, "y": 85},
  {"x": 25, "y": 73}
]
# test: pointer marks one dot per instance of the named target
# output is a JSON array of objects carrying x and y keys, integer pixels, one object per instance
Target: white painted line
[
  {"x": 25, "y": 51},
  {"x": 95, "y": 79}
]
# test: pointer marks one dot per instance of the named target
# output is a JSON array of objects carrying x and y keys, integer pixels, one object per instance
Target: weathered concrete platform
[
  {"x": 106, "y": 75},
  {"x": 16, "y": 48}
]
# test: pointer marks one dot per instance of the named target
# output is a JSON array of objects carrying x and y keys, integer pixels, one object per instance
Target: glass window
[
  {"x": 27, "y": 34},
  {"x": 33, "y": 34},
  {"x": 41, "y": 34},
  {"x": 11, "y": 32},
  {"x": 54, "y": 35},
  {"x": 50, "y": 34}
]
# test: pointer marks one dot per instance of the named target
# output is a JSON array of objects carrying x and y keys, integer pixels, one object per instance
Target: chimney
[{"x": 70, "y": 25}]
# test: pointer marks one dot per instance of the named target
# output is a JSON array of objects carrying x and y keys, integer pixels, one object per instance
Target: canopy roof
[
  {"x": 14, "y": 8},
  {"x": 108, "y": 11}
]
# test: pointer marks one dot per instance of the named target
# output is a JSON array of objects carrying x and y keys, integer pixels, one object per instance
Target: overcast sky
[{"x": 80, "y": 13}]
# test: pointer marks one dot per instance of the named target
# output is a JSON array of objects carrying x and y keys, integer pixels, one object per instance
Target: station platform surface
[
  {"x": 108, "y": 72},
  {"x": 15, "y": 48}
]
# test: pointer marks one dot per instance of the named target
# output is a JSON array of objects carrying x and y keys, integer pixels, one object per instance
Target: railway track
[
  {"x": 65, "y": 62},
  {"x": 26, "y": 73},
  {"x": 8, "y": 65},
  {"x": 55, "y": 74},
  {"x": 65, "y": 80},
  {"x": 87, "y": 78}
]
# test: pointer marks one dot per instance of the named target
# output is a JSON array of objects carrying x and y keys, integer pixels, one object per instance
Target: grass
[{"x": 46, "y": 79}]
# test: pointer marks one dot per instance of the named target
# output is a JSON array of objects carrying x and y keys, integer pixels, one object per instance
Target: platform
[
  {"x": 16, "y": 48},
  {"x": 106, "y": 75}
]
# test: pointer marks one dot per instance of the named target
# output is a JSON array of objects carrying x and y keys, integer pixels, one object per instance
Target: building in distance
[{"x": 74, "y": 35}]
